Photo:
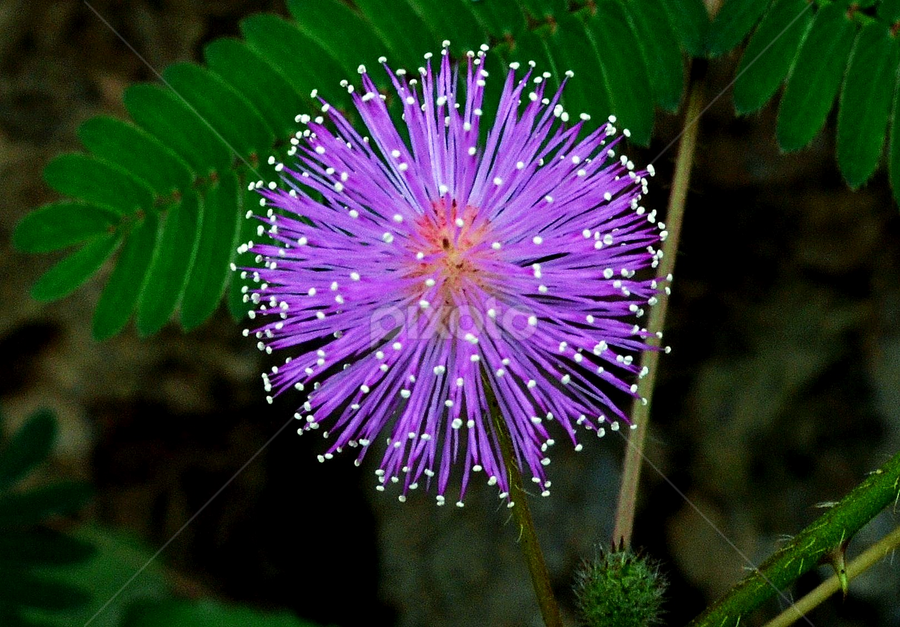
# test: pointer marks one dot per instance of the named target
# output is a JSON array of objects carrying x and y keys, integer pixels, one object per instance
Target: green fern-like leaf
[
  {"x": 770, "y": 53},
  {"x": 889, "y": 11},
  {"x": 821, "y": 48},
  {"x": 168, "y": 189},
  {"x": 27, "y": 448},
  {"x": 215, "y": 248},
  {"x": 691, "y": 23},
  {"x": 71, "y": 272},
  {"x": 25, "y": 545},
  {"x": 866, "y": 102},
  {"x": 169, "y": 271},
  {"x": 732, "y": 23},
  {"x": 660, "y": 45},
  {"x": 123, "y": 289},
  {"x": 582, "y": 94},
  {"x": 204, "y": 613},
  {"x": 815, "y": 79}
]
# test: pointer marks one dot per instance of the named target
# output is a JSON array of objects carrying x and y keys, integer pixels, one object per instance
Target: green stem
[
  {"x": 528, "y": 541},
  {"x": 861, "y": 564},
  {"x": 806, "y": 549},
  {"x": 640, "y": 413}
]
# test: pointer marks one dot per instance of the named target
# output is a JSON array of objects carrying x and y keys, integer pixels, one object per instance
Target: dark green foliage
[
  {"x": 44, "y": 547},
  {"x": 815, "y": 79},
  {"x": 660, "y": 47},
  {"x": 52, "y": 578},
  {"x": 865, "y": 103},
  {"x": 278, "y": 42},
  {"x": 691, "y": 22},
  {"x": 123, "y": 289},
  {"x": 353, "y": 43},
  {"x": 108, "y": 558},
  {"x": 544, "y": 9},
  {"x": 204, "y": 614},
  {"x": 25, "y": 545},
  {"x": 225, "y": 111},
  {"x": 732, "y": 23},
  {"x": 168, "y": 273},
  {"x": 620, "y": 589},
  {"x": 454, "y": 21},
  {"x": 168, "y": 190},
  {"x": 770, "y": 53},
  {"x": 624, "y": 72},
  {"x": 160, "y": 111},
  {"x": 586, "y": 91},
  {"x": 531, "y": 46},
  {"x": 216, "y": 247},
  {"x": 894, "y": 154},
  {"x": 248, "y": 73},
  {"x": 889, "y": 11},
  {"x": 63, "y": 224},
  {"x": 821, "y": 47},
  {"x": 136, "y": 151},
  {"x": 21, "y": 509},
  {"x": 69, "y": 273},
  {"x": 26, "y": 590},
  {"x": 27, "y": 448},
  {"x": 500, "y": 18},
  {"x": 98, "y": 182},
  {"x": 412, "y": 35}
]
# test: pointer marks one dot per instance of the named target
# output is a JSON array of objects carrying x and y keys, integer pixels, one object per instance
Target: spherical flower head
[
  {"x": 619, "y": 588},
  {"x": 417, "y": 277}
]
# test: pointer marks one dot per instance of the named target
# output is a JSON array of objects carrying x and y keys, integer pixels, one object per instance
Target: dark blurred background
[{"x": 782, "y": 389}]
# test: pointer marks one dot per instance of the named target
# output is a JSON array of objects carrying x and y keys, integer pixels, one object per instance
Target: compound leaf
[{"x": 242, "y": 67}]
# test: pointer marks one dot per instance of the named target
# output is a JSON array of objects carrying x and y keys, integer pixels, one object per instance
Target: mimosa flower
[{"x": 417, "y": 277}]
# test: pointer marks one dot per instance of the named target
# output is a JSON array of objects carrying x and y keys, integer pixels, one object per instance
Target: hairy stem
[
  {"x": 861, "y": 564},
  {"x": 808, "y": 548},
  {"x": 640, "y": 413},
  {"x": 528, "y": 541}
]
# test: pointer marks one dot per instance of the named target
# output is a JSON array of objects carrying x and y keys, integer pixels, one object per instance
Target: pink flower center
[{"x": 451, "y": 248}]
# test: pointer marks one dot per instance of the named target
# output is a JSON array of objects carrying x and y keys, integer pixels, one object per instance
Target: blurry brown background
[{"x": 782, "y": 389}]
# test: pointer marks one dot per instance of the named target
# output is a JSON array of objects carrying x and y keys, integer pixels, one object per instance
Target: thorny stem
[
  {"x": 807, "y": 549},
  {"x": 528, "y": 541},
  {"x": 640, "y": 413},
  {"x": 869, "y": 558}
]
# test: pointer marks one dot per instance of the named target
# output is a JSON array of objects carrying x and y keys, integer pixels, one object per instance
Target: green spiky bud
[{"x": 620, "y": 589}]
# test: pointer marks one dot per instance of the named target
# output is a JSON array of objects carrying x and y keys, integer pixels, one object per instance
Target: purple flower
[{"x": 413, "y": 269}]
